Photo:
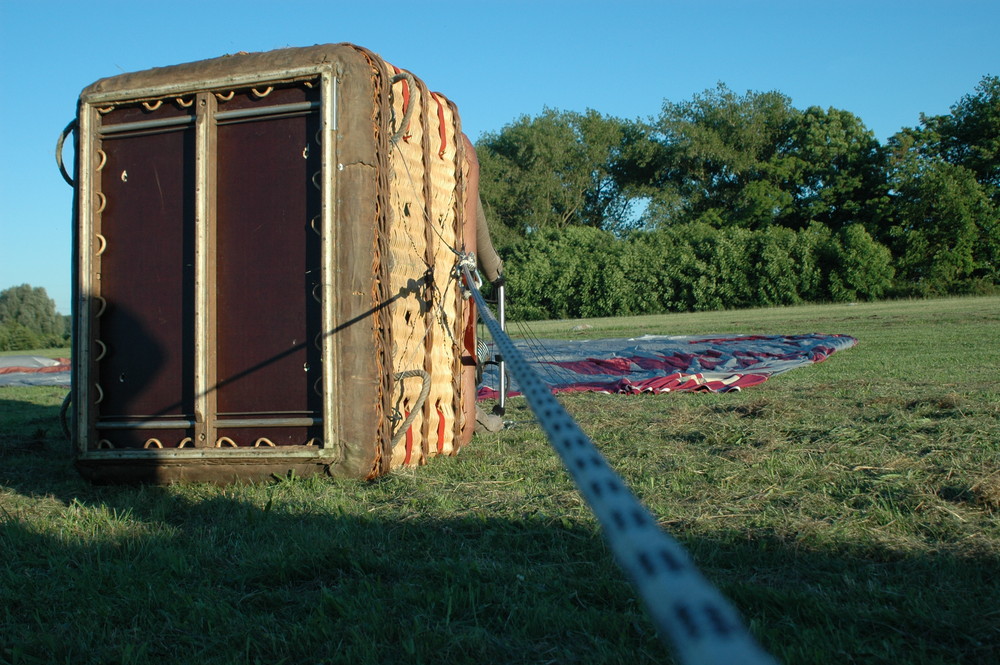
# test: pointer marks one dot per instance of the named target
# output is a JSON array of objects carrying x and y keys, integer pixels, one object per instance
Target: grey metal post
[{"x": 502, "y": 317}]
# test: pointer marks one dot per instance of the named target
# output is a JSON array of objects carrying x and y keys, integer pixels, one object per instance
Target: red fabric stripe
[
  {"x": 440, "y": 431},
  {"x": 409, "y": 441}
]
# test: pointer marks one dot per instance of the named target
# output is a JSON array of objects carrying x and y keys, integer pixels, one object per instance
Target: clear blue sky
[{"x": 885, "y": 61}]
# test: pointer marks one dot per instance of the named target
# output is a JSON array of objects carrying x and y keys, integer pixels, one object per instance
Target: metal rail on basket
[{"x": 501, "y": 406}]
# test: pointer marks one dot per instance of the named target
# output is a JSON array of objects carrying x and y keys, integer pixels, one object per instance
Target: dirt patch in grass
[
  {"x": 986, "y": 492},
  {"x": 941, "y": 403}
]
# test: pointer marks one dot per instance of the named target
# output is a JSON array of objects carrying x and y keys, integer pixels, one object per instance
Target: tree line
[
  {"x": 28, "y": 320},
  {"x": 730, "y": 200}
]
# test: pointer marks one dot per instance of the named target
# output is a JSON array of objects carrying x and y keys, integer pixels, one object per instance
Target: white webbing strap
[{"x": 695, "y": 619}]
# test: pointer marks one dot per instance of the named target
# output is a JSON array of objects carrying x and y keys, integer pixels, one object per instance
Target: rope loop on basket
[
  {"x": 425, "y": 390},
  {"x": 70, "y": 128},
  {"x": 408, "y": 111}
]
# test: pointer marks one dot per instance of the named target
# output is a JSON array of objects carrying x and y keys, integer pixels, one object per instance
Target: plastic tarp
[
  {"x": 34, "y": 371},
  {"x": 660, "y": 364}
]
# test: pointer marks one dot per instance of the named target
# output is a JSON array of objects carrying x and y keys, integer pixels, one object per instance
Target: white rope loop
[{"x": 700, "y": 624}]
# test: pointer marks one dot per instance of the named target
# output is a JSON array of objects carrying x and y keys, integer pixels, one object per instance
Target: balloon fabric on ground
[
  {"x": 659, "y": 364},
  {"x": 34, "y": 371}
]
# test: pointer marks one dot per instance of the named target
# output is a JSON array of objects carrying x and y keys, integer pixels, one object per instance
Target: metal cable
[
  {"x": 546, "y": 361},
  {"x": 695, "y": 618}
]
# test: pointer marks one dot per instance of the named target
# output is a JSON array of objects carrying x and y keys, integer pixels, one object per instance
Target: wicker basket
[{"x": 264, "y": 283}]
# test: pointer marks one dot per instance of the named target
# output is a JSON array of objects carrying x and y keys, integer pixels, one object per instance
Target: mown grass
[
  {"x": 850, "y": 509},
  {"x": 59, "y": 352}
]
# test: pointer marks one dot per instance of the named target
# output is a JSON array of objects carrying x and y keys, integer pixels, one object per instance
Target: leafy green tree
[
  {"x": 586, "y": 272},
  {"x": 946, "y": 228},
  {"x": 551, "y": 172},
  {"x": 16, "y": 337},
  {"x": 754, "y": 160},
  {"x": 859, "y": 268},
  {"x": 836, "y": 170},
  {"x": 807, "y": 253},
  {"x": 945, "y": 178},
  {"x": 969, "y": 136},
  {"x": 26, "y": 308},
  {"x": 574, "y": 272},
  {"x": 715, "y": 155},
  {"x": 774, "y": 268}
]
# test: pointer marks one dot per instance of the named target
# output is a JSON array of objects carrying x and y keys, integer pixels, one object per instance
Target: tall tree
[
  {"x": 754, "y": 160},
  {"x": 553, "y": 171},
  {"x": 837, "y": 171},
  {"x": 717, "y": 157},
  {"x": 945, "y": 177},
  {"x": 945, "y": 227},
  {"x": 969, "y": 136},
  {"x": 30, "y": 313}
]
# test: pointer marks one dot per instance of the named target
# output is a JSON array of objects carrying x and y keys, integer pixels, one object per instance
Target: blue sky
[{"x": 885, "y": 61}]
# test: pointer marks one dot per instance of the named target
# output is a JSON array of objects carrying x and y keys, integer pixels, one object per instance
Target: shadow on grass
[
  {"x": 280, "y": 574},
  {"x": 23, "y": 422},
  {"x": 225, "y": 581}
]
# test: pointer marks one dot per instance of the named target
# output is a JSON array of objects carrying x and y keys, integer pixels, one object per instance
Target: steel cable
[{"x": 697, "y": 621}]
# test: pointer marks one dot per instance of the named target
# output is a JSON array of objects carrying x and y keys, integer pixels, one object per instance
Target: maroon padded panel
[
  {"x": 147, "y": 275},
  {"x": 268, "y": 263}
]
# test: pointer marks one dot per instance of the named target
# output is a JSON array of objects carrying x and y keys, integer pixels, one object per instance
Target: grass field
[
  {"x": 850, "y": 509},
  {"x": 45, "y": 353}
]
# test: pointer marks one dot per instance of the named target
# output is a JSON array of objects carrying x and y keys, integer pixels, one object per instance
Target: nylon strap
[{"x": 693, "y": 617}]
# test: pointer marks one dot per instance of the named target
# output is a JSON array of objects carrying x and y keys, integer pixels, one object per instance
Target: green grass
[
  {"x": 851, "y": 509},
  {"x": 45, "y": 353}
]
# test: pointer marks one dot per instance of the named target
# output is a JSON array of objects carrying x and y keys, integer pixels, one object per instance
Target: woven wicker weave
[{"x": 426, "y": 228}]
